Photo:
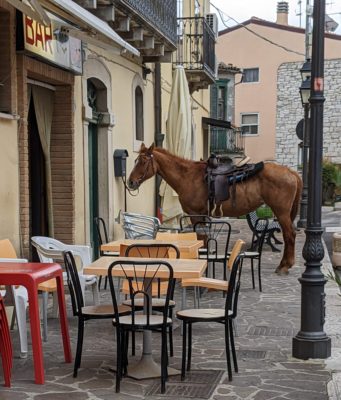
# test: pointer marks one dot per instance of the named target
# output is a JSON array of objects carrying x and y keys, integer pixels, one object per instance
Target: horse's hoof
[{"x": 282, "y": 271}]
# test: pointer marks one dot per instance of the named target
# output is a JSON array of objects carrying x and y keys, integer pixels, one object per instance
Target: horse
[{"x": 275, "y": 185}]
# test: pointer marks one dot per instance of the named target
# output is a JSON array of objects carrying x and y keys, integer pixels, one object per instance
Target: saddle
[{"x": 222, "y": 178}]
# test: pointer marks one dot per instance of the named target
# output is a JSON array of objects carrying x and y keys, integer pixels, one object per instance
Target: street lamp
[
  {"x": 305, "y": 95},
  {"x": 311, "y": 341}
]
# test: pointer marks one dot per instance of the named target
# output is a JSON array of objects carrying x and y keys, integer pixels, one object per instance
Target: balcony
[
  {"x": 226, "y": 142},
  {"x": 149, "y": 25},
  {"x": 196, "y": 52}
]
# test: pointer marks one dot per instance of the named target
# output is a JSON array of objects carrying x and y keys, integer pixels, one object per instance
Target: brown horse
[{"x": 276, "y": 185}]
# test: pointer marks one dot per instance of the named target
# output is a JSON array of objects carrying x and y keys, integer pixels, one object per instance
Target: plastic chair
[
  {"x": 257, "y": 255},
  {"x": 84, "y": 313},
  {"x": 223, "y": 316},
  {"x": 6, "y": 349},
  {"x": 145, "y": 273},
  {"x": 50, "y": 249}
]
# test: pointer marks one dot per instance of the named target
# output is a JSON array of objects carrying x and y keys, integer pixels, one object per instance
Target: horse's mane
[{"x": 178, "y": 159}]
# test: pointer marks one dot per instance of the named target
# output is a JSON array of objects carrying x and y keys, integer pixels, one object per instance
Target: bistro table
[
  {"x": 187, "y": 248},
  {"x": 147, "y": 368},
  {"x": 30, "y": 275}
]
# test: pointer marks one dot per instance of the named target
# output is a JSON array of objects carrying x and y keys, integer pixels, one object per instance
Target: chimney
[{"x": 282, "y": 13}]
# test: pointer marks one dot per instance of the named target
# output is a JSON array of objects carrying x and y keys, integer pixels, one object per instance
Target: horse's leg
[{"x": 289, "y": 235}]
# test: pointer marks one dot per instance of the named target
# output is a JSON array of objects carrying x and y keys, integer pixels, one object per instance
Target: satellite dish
[{"x": 330, "y": 25}]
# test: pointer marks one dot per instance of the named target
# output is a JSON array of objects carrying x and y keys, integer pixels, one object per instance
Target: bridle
[
  {"x": 141, "y": 178},
  {"x": 149, "y": 161}
]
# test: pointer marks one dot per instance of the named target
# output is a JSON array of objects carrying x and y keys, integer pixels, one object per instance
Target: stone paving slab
[{"x": 265, "y": 326}]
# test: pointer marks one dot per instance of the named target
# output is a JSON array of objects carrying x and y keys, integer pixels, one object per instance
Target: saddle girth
[{"x": 222, "y": 179}]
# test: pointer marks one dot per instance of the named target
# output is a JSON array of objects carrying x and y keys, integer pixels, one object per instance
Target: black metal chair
[
  {"x": 187, "y": 224},
  {"x": 102, "y": 235},
  {"x": 273, "y": 227},
  {"x": 85, "y": 313},
  {"x": 141, "y": 275},
  {"x": 257, "y": 255},
  {"x": 224, "y": 316},
  {"x": 216, "y": 236},
  {"x": 160, "y": 250}
]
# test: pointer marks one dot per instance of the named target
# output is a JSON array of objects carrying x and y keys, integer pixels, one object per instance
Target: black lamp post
[
  {"x": 305, "y": 94},
  {"x": 311, "y": 341}
]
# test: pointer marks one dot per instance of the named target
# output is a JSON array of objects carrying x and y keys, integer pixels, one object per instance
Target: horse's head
[{"x": 144, "y": 167}]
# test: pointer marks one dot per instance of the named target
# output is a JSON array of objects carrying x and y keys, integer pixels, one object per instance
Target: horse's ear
[
  {"x": 143, "y": 147},
  {"x": 151, "y": 148}
]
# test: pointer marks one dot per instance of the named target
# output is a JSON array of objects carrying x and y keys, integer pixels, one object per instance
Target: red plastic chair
[{"x": 6, "y": 349}]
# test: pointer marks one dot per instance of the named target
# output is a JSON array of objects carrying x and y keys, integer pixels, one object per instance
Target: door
[
  {"x": 93, "y": 184},
  {"x": 37, "y": 185}
]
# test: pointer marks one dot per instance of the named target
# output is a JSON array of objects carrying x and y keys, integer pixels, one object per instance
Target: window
[
  {"x": 249, "y": 124},
  {"x": 139, "y": 131},
  {"x": 221, "y": 106},
  {"x": 250, "y": 75}
]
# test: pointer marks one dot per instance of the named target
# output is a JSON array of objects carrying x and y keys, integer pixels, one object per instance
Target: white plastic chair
[
  {"x": 18, "y": 297},
  {"x": 50, "y": 249}
]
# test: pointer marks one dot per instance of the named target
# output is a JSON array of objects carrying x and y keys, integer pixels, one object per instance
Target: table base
[{"x": 147, "y": 368}]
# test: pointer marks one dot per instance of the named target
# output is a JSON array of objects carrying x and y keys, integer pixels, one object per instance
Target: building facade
[
  {"x": 260, "y": 48},
  {"x": 62, "y": 118}
]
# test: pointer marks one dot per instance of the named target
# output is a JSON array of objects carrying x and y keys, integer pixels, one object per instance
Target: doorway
[
  {"x": 37, "y": 181},
  {"x": 93, "y": 166}
]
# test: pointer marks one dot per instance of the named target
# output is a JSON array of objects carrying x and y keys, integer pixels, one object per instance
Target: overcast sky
[{"x": 242, "y": 10}]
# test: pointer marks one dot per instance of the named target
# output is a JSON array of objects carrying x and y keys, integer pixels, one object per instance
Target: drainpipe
[{"x": 158, "y": 136}]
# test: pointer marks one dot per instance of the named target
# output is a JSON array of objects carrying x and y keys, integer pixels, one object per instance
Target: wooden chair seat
[
  {"x": 202, "y": 314},
  {"x": 141, "y": 320},
  {"x": 104, "y": 310},
  {"x": 48, "y": 286},
  {"x": 209, "y": 283}
]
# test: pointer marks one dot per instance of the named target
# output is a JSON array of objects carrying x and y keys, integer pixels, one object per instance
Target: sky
[{"x": 242, "y": 10}]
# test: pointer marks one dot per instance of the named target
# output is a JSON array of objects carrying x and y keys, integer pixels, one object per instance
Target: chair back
[
  {"x": 216, "y": 237},
  {"x": 73, "y": 283},
  {"x": 261, "y": 238},
  {"x": 138, "y": 226},
  {"x": 50, "y": 250},
  {"x": 187, "y": 222},
  {"x": 6, "y": 249},
  {"x": 101, "y": 229},
  {"x": 141, "y": 275},
  {"x": 176, "y": 236},
  {"x": 160, "y": 250},
  {"x": 237, "y": 248},
  {"x": 231, "y": 304}
]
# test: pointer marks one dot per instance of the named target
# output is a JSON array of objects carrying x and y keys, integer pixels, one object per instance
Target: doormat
[{"x": 198, "y": 384}]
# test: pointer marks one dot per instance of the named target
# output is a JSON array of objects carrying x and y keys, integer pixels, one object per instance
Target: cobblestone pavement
[{"x": 265, "y": 326}]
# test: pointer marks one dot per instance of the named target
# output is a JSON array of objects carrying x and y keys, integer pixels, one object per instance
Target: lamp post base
[{"x": 308, "y": 348}]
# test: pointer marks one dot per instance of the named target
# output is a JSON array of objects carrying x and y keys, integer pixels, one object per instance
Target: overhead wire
[{"x": 221, "y": 13}]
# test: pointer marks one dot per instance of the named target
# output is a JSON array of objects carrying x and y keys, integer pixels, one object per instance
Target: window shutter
[{"x": 214, "y": 101}]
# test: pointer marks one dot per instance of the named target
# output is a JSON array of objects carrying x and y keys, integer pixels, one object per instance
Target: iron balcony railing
[
  {"x": 226, "y": 141},
  {"x": 196, "y": 46},
  {"x": 160, "y": 15}
]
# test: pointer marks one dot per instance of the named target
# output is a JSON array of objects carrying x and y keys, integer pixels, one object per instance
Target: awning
[
  {"x": 32, "y": 8},
  {"x": 218, "y": 123},
  {"x": 92, "y": 29}
]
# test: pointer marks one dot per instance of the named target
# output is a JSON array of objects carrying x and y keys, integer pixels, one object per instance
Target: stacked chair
[{"x": 138, "y": 226}]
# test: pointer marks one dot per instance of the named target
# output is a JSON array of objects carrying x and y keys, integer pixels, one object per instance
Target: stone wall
[{"x": 290, "y": 112}]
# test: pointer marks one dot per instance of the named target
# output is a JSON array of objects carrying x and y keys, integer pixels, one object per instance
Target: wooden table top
[
  {"x": 182, "y": 268},
  {"x": 187, "y": 248}
]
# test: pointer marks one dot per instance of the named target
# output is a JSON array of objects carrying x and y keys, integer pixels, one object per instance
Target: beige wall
[
  {"x": 9, "y": 178},
  {"x": 245, "y": 50}
]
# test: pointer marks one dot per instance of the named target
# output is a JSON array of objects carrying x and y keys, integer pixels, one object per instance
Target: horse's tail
[{"x": 296, "y": 203}]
